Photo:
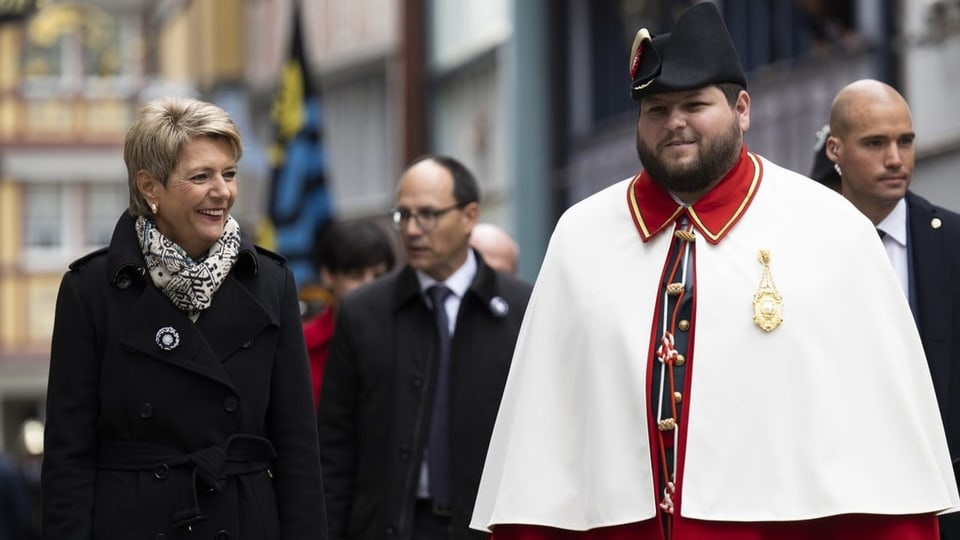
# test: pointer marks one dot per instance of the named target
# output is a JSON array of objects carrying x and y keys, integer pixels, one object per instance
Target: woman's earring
[
  {"x": 153, "y": 207},
  {"x": 836, "y": 167}
]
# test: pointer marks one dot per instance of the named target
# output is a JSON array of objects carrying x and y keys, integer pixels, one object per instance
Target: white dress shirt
[{"x": 894, "y": 227}]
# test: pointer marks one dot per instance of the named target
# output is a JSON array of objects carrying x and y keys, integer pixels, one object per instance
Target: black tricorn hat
[{"x": 697, "y": 53}]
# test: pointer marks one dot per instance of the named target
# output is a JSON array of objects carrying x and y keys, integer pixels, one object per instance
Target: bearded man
[{"x": 715, "y": 348}]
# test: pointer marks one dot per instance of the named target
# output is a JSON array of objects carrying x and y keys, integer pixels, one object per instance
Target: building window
[
  {"x": 80, "y": 48},
  {"x": 44, "y": 217},
  {"x": 65, "y": 221},
  {"x": 770, "y": 32},
  {"x": 612, "y": 26},
  {"x": 105, "y": 202}
]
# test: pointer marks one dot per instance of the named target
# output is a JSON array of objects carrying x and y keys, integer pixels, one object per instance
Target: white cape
[{"x": 831, "y": 413}]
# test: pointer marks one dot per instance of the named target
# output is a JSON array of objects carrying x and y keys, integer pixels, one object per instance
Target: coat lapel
[
  {"x": 414, "y": 348},
  {"x": 932, "y": 281},
  {"x": 234, "y": 319},
  {"x": 187, "y": 349},
  {"x": 231, "y": 323}
]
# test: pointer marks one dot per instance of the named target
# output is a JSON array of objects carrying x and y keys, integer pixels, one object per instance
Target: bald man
[
  {"x": 496, "y": 247},
  {"x": 872, "y": 142}
]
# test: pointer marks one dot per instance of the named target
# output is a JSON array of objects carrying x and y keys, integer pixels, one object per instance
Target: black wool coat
[
  {"x": 211, "y": 434},
  {"x": 374, "y": 411},
  {"x": 934, "y": 244}
]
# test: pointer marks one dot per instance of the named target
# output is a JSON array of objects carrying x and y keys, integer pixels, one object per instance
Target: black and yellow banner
[{"x": 300, "y": 204}]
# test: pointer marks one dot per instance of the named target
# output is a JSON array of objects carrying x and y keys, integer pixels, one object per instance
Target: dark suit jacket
[
  {"x": 377, "y": 395},
  {"x": 935, "y": 282},
  {"x": 136, "y": 435}
]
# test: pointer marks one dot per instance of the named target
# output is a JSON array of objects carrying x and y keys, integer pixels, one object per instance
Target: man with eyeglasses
[{"x": 416, "y": 369}]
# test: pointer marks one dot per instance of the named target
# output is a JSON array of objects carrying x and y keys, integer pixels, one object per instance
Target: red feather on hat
[{"x": 639, "y": 42}]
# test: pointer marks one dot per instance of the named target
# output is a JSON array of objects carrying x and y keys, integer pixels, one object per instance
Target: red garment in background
[{"x": 317, "y": 332}]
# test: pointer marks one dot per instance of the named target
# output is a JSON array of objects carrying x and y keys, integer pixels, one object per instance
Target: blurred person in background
[
  {"x": 348, "y": 254},
  {"x": 831, "y": 23},
  {"x": 823, "y": 170},
  {"x": 178, "y": 402},
  {"x": 872, "y": 142},
  {"x": 30, "y": 440},
  {"x": 497, "y": 248},
  {"x": 15, "y": 504},
  {"x": 416, "y": 370}
]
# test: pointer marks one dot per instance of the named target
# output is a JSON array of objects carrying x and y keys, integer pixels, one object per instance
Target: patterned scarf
[{"x": 189, "y": 284}]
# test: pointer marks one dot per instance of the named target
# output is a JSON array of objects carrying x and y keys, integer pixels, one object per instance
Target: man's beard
[{"x": 716, "y": 158}]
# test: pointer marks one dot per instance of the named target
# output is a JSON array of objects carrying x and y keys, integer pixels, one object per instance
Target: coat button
[
  {"x": 247, "y": 344},
  {"x": 404, "y": 452},
  {"x": 684, "y": 325},
  {"x": 124, "y": 281},
  {"x": 161, "y": 471},
  {"x": 222, "y": 535},
  {"x": 390, "y": 531},
  {"x": 231, "y": 404},
  {"x": 159, "y": 536},
  {"x": 146, "y": 411},
  {"x": 416, "y": 382}
]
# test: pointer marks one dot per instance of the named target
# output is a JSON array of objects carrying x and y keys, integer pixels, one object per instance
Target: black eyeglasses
[{"x": 426, "y": 219}]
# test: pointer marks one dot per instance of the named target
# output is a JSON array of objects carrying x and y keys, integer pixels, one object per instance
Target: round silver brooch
[
  {"x": 168, "y": 338},
  {"x": 499, "y": 307}
]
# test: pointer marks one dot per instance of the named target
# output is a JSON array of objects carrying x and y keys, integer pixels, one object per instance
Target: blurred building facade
[
  {"x": 71, "y": 77},
  {"x": 67, "y": 81},
  {"x": 797, "y": 54},
  {"x": 530, "y": 94}
]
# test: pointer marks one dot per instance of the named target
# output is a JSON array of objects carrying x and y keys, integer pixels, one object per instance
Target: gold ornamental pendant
[{"x": 767, "y": 302}]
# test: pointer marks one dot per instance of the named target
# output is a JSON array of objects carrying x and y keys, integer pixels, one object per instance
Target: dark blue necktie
[{"x": 438, "y": 453}]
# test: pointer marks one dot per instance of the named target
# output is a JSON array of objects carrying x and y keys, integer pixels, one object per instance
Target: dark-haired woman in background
[{"x": 349, "y": 254}]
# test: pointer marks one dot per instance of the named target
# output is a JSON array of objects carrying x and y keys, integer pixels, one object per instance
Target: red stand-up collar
[{"x": 653, "y": 209}]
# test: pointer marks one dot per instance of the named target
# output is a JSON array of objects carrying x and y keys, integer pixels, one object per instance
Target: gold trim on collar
[
  {"x": 638, "y": 215},
  {"x": 715, "y": 237}
]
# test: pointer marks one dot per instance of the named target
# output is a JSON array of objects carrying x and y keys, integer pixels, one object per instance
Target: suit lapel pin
[
  {"x": 499, "y": 307},
  {"x": 936, "y": 223},
  {"x": 168, "y": 338}
]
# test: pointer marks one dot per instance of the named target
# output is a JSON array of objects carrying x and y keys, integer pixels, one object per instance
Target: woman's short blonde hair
[{"x": 156, "y": 138}]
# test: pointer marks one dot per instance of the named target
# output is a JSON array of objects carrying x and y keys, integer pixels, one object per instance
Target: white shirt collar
[
  {"x": 458, "y": 282},
  {"x": 895, "y": 224}
]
